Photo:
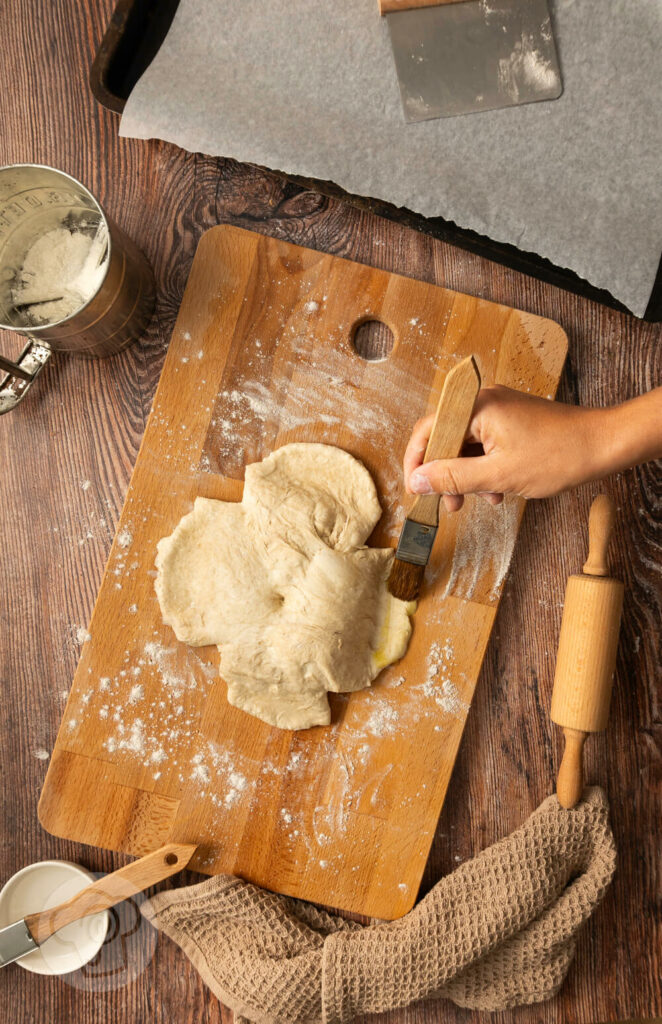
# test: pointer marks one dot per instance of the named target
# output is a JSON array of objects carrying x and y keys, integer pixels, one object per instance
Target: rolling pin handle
[
  {"x": 600, "y": 527},
  {"x": 570, "y": 781}
]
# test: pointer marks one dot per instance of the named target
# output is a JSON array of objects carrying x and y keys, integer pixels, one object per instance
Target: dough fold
[{"x": 283, "y": 584}]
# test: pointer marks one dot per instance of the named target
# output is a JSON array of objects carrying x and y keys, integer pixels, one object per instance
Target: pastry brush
[
  {"x": 27, "y": 934},
  {"x": 449, "y": 429}
]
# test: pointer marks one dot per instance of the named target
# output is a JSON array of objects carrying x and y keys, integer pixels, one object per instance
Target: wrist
[
  {"x": 606, "y": 441},
  {"x": 627, "y": 434}
]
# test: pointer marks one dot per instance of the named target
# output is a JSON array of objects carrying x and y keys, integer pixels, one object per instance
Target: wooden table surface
[{"x": 67, "y": 455}]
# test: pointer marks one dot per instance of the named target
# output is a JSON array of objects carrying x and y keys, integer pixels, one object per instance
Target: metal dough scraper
[{"x": 462, "y": 56}]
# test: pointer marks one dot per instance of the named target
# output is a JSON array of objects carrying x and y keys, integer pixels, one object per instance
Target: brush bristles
[{"x": 405, "y": 580}]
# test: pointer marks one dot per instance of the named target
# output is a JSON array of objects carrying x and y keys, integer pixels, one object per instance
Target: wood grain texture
[
  {"x": 262, "y": 354},
  {"x": 85, "y": 422}
]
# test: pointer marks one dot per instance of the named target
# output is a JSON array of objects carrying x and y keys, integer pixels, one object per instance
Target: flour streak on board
[
  {"x": 294, "y": 382},
  {"x": 484, "y": 544}
]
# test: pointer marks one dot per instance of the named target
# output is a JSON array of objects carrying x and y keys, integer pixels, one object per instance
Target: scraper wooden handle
[
  {"x": 451, "y": 421},
  {"x": 111, "y": 889},
  {"x": 388, "y": 6}
]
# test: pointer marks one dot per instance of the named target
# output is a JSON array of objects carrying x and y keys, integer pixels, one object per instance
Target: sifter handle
[
  {"x": 20, "y": 376},
  {"x": 600, "y": 528}
]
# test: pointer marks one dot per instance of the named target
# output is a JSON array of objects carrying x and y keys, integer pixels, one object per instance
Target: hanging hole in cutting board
[{"x": 373, "y": 340}]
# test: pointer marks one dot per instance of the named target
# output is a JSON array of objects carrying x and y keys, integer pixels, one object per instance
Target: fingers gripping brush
[{"x": 449, "y": 429}]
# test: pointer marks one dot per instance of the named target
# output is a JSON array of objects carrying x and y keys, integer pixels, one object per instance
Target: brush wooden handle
[
  {"x": 111, "y": 889},
  {"x": 451, "y": 420},
  {"x": 388, "y": 6}
]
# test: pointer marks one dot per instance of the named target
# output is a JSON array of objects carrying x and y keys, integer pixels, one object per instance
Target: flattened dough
[{"x": 283, "y": 583}]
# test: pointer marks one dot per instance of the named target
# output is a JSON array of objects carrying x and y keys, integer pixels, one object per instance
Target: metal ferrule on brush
[{"x": 415, "y": 543}]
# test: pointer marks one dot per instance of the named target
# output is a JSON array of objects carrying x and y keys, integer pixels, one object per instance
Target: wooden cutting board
[{"x": 149, "y": 750}]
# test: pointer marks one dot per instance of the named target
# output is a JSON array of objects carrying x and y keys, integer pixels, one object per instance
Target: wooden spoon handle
[
  {"x": 111, "y": 889},
  {"x": 451, "y": 421}
]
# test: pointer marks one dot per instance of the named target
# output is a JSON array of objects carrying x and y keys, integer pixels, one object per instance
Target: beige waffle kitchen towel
[{"x": 498, "y": 932}]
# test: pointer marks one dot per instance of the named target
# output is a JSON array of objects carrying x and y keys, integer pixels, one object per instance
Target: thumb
[{"x": 471, "y": 475}]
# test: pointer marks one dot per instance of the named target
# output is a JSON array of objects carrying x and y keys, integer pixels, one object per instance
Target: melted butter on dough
[{"x": 284, "y": 584}]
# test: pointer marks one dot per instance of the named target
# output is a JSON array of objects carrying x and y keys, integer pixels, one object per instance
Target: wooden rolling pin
[{"x": 587, "y": 652}]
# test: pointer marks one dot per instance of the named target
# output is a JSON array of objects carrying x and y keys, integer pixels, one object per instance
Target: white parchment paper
[{"x": 310, "y": 88}]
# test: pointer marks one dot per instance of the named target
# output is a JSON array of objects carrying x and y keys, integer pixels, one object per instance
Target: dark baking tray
[{"x": 133, "y": 37}]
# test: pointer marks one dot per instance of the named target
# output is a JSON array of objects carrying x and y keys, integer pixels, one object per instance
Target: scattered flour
[
  {"x": 161, "y": 657},
  {"x": 125, "y": 538},
  {"x": 200, "y": 771},
  {"x": 438, "y": 682},
  {"x": 485, "y": 540},
  {"x": 383, "y": 720},
  {"x": 294, "y": 761},
  {"x": 41, "y": 754},
  {"x": 525, "y": 67},
  {"x": 238, "y": 783}
]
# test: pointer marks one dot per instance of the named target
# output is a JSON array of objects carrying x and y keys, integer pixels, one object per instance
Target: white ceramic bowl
[{"x": 42, "y": 886}]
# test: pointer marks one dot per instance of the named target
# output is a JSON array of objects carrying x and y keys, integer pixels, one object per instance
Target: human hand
[{"x": 516, "y": 444}]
